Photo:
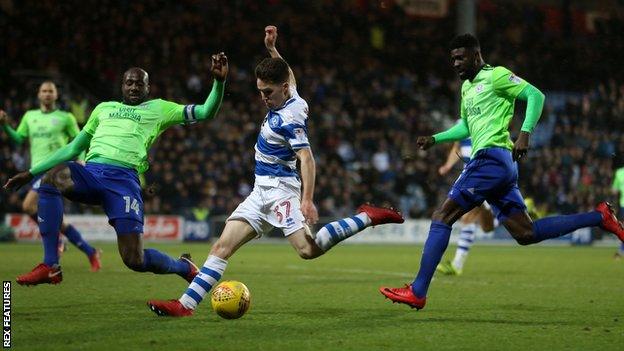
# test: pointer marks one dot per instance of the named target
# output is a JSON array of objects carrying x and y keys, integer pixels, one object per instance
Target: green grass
[{"x": 519, "y": 298}]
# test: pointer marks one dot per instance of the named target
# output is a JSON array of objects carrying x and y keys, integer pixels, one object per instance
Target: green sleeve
[
  {"x": 617, "y": 180},
  {"x": 72, "y": 130},
  {"x": 72, "y": 126},
  {"x": 210, "y": 108},
  {"x": 93, "y": 122},
  {"x": 66, "y": 153},
  {"x": 506, "y": 83},
  {"x": 15, "y": 136},
  {"x": 174, "y": 113},
  {"x": 535, "y": 104},
  {"x": 458, "y": 132}
]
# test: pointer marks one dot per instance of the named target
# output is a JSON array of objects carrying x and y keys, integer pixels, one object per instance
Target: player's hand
[
  {"x": 444, "y": 169},
  {"x": 219, "y": 67},
  {"x": 425, "y": 142},
  {"x": 309, "y": 212},
  {"x": 270, "y": 37},
  {"x": 4, "y": 118},
  {"x": 19, "y": 180},
  {"x": 521, "y": 146}
]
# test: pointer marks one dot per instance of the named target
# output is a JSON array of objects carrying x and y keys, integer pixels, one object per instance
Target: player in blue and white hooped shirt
[
  {"x": 277, "y": 200},
  {"x": 462, "y": 150}
]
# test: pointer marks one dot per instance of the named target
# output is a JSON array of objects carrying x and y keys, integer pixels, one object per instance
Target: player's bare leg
[{"x": 304, "y": 244}]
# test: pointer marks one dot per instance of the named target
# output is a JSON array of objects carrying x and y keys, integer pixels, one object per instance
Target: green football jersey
[
  {"x": 47, "y": 132},
  {"x": 618, "y": 184},
  {"x": 487, "y": 105},
  {"x": 122, "y": 134}
]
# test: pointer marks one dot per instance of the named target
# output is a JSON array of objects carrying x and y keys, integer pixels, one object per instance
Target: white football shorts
[{"x": 269, "y": 207}]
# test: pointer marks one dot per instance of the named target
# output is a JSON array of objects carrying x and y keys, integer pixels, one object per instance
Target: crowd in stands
[{"x": 374, "y": 77}]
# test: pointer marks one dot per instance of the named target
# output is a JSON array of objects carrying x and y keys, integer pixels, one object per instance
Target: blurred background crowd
[{"x": 375, "y": 76}]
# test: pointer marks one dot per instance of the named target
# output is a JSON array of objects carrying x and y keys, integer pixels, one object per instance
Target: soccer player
[
  {"x": 487, "y": 104},
  {"x": 117, "y": 137},
  {"x": 47, "y": 129},
  {"x": 276, "y": 200},
  {"x": 618, "y": 188},
  {"x": 481, "y": 214}
]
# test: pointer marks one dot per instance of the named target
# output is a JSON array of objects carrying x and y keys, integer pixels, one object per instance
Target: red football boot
[
  {"x": 194, "y": 270},
  {"x": 404, "y": 295},
  {"x": 42, "y": 274},
  {"x": 381, "y": 215},
  {"x": 169, "y": 308},
  {"x": 609, "y": 222},
  {"x": 94, "y": 260}
]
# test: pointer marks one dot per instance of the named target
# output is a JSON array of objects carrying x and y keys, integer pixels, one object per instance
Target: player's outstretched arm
[
  {"x": 219, "y": 71},
  {"x": 270, "y": 38},
  {"x": 4, "y": 122},
  {"x": 535, "y": 104},
  {"x": 451, "y": 159},
  {"x": 458, "y": 132},
  {"x": 68, "y": 152},
  {"x": 308, "y": 175}
]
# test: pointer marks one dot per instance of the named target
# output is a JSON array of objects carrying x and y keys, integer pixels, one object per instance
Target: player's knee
[
  {"x": 524, "y": 238},
  {"x": 58, "y": 177},
  {"x": 133, "y": 261},
  {"x": 306, "y": 254},
  {"x": 441, "y": 215},
  {"x": 487, "y": 227},
  {"x": 30, "y": 208},
  {"x": 309, "y": 252}
]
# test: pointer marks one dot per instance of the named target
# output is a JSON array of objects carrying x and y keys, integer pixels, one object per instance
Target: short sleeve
[
  {"x": 296, "y": 135},
  {"x": 506, "y": 83},
  {"x": 72, "y": 126},
  {"x": 22, "y": 128},
  {"x": 173, "y": 113},
  {"x": 94, "y": 121}
]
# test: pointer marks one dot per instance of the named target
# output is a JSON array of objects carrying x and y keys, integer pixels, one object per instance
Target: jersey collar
[
  {"x": 482, "y": 69},
  {"x": 286, "y": 103}
]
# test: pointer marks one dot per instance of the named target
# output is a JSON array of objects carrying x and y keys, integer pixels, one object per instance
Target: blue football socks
[
  {"x": 75, "y": 238},
  {"x": 157, "y": 262},
  {"x": 50, "y": 217},
  {"x": 556, "y": 226},
  {"x": 437, "y": 241}
]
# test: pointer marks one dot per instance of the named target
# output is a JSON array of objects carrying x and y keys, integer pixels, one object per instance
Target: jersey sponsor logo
[
  {"x": 126, "y": 113},
  {"x": 42, "y": 135},
  {"x": 515, "y": 79},
  {"x": 472, "y": 110},
  {"x": 479, "y": 88},
  {"x": 54, "y": 121}
]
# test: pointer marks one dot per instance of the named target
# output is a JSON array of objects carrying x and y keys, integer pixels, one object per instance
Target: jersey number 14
[{"x": 131, "y": 204}]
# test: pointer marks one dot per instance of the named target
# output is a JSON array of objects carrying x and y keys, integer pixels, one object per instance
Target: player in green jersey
[
  {"x": 47, "y": 129},
  {"x": 488, "y": 95},
  {"x": 117, "y": 137}
]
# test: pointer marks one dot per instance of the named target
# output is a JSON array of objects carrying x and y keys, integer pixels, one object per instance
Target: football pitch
[{"x": 509, "y": 298}]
